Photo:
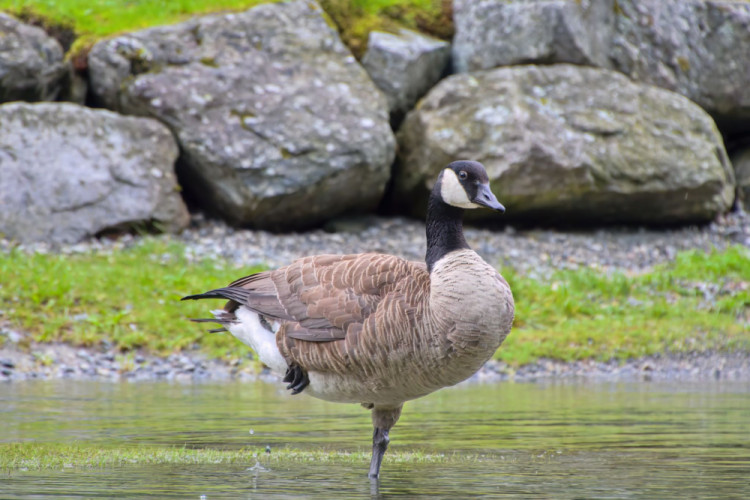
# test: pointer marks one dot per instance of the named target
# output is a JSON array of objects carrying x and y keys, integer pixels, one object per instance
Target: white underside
[{"x": 251, "y": 331}]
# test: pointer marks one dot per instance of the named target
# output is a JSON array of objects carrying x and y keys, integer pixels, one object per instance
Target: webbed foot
[{"x": 296, "y": 378}]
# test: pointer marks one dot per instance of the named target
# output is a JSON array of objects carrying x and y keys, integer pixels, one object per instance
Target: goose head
[{"x": 465, "y": 184}]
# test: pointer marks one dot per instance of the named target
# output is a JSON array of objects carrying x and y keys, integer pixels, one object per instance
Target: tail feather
[
  {"x": 221, "y": 317},
  {"x": 239, "y": 295}
]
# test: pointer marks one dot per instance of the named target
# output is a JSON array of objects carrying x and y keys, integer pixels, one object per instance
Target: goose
[{"x": 376, "y": 329}]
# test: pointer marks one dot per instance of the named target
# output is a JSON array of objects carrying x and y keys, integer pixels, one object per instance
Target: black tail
[{"x": 236, "y": 294}]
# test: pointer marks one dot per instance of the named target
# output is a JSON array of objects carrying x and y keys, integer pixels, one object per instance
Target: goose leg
[
  {"x": 382, "y": 420},
  {"x": 380, "y": 442}
]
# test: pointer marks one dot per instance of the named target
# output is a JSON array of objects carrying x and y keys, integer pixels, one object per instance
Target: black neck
[{"x": 445, "y": 231}]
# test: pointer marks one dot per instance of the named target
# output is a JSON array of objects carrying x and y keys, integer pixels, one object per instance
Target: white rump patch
[
  {"x": 251, "y": 331},
  {"x": 452, "y": 192}
]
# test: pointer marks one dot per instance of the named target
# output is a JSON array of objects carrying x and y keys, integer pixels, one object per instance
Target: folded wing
[{"x": 325, "y": 297}]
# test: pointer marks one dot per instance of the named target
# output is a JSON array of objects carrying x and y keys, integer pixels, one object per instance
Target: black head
[{"x": 465, "y": 184}]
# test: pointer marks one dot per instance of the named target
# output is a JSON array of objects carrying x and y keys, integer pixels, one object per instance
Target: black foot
[{"x": 296, "y": 378}]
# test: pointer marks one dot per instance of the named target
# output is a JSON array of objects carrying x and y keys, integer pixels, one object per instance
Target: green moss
[
  {"x": 618, "y": 9},
  {"x": 54, "y": 456},
  {"x": 209, "y": 61},
  {"x": 683, "y": 63},
  {"x": 356, "y": 18}
]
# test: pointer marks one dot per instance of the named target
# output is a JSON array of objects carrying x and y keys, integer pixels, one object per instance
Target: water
[{"x": 643, "y": 440}]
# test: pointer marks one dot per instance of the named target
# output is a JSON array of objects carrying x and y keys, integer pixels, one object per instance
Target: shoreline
[
  {"x": 532, "y": 251},
  {"x": 57, "y": 361},
  {"x": 536, "y": 253}
]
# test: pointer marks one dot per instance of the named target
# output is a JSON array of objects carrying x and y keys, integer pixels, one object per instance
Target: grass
[
  {"x": 699, "y": 302},
  {"x": 356, "y": 18},
  {"x": 28, "y": 455},
  {"x": 90, "y": 21},
  {"x": 129, "y": 299}
]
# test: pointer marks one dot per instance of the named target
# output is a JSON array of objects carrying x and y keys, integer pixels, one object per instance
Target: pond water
[{"x": 632, "y": 440}]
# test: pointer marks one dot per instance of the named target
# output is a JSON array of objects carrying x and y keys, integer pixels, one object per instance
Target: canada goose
[{"x": 376, "y": 329}]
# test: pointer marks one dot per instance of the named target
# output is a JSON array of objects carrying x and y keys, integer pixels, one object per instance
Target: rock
[
  {"x": 69, "y": 172},
  {"x": 279, "y": 126},
  {"x": 405, "y": 66},
  {"x": 570, "y": 143},
  {"x": 31, "y": 62},
  {"x": 491, "y": 33},
  {"x": 741, "y": 163},
  {"x": 697, "y": 48}
]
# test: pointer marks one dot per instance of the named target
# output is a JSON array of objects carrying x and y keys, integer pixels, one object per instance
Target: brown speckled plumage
[
  {"x": 382, "y": 328},
  {"x": 376, "y": 329}
]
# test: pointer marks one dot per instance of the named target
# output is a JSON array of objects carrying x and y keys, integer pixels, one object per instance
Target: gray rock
[
  {"x": 405, "y": 66},
  {"x": 31, "y": 62},
  {"x": 68, "y": 172},
  {"x": 491, "y": 33},
  {"x": 279, "y": 126},
  {"x": 698, "y": 48},
  {"x": 741, "y": 163},
  {"x": 570, "y": 143}
]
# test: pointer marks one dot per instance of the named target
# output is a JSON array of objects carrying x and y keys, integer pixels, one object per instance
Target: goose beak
[{"x": 485, "y": 198}]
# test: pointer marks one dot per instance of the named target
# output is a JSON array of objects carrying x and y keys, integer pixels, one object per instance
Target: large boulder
[
  {"x": 31, "y": 62},
  {"x": 69, "y": 172},
  {"x": 697, "y": 48},
  {"x": 491, "y": 33},
  {"x": 279, "y": 126},
  {"x": 405, "y": 66},
  {"x": 570, "y": 143}
]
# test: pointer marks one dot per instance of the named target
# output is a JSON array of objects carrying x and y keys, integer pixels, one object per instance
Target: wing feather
[{"x": 326, "y": 297}]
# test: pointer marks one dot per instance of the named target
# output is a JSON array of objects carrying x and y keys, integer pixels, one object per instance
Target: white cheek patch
[{"x": 453, "y": 193}]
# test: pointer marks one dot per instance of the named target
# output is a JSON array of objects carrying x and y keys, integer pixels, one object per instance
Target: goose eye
[{"x": 462, "y": 175}]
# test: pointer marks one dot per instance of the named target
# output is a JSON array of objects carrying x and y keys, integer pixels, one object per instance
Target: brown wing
[
  {"x": 322, "y": 298},
  {"x": 382, "y": 301}
]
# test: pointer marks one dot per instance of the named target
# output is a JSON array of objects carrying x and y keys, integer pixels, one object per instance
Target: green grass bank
[{"x": 129, "y": 298}]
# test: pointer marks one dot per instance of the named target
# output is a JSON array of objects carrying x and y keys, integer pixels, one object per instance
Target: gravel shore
[
  {"x": 533, "y": 252},
  {"x": 61, "y": 361}
]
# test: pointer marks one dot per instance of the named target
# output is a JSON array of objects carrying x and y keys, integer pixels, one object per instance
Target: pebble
[
  {"x": 695, "y": 366},
  {"x": 536, "y": 252},
  {"x": 533, "y": 252}
]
